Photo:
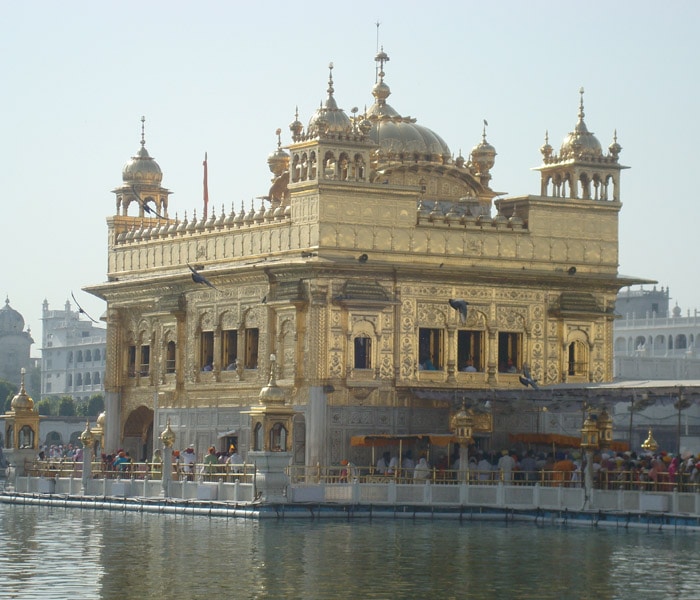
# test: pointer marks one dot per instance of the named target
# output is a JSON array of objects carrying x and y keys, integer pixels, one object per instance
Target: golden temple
[{"x": 383, "y": 278}]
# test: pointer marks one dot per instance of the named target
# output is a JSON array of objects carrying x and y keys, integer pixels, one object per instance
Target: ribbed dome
[
  {"x": 580, "y": 143},
  {"x": 142, "y": 169},
  {"x": 328, "y": 118},
  {"x": 278, "y": 161},
  {"x": 400, "y": 138},
  {"x": 10, "y": 320},
  {"x": 272, "y": 393},
  {"x": 22, "y": 401},
  {"x": 484, "y": 155}
]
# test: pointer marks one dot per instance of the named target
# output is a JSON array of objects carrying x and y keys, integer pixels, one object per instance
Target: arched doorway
[{"x": 137, "y": 439}]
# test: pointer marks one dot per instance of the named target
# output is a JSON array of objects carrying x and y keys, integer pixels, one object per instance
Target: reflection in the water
[{"x": 56, "y": 553}]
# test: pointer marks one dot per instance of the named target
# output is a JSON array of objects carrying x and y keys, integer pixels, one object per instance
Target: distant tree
[
  {"x": 44, "y": 407},
  {"x": 95, "y": 405},
  {"x": 33, "y": 382},
  {"x": 7, "y": 392},
  {"x": 66, "y": 407}
]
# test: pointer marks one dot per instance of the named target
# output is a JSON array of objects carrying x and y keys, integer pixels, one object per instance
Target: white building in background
[
  {"x": 653, "y": 342},
  {"x": 72, "y": 354}
]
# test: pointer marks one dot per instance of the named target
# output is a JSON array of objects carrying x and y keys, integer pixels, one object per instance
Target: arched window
[
  {"x": 88, "y": 379},
  {"x": 278, "y": 438},
  {"x": 681, "y": 342},
  {"x": 170, "y": 357},
  {"x": 363, "y": 352},
  {"x": 578, "y": 359},
  {"x": 258, "y": 437},
  {"x": 88, "y": 356},
  {"x": 69, "y": 380},
  {"x": 79, "y": 356},
  {"x": 96, "y": 355},
  {"x": 26, "y": 437},
  {"x": 70, "y": 357},
  {"x": 96, "y": 378},
  {"x": 78, "y": 379}
]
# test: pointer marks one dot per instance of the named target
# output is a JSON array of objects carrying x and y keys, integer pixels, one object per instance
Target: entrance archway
[{"x": 137, "y": 439}]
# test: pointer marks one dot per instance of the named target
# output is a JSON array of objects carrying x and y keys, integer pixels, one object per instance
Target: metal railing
[
  {"x": 227, "y": 473},
  {"x": 633, "y": 480}
]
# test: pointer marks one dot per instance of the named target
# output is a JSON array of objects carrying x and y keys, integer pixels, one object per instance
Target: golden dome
[
  {"x": 483, "y": 155},
  {"x": 580, "y": 143},
  {"x": 329, "y": 118},
  {"x": 278, "y": 161},
  {"x": 22, "y": 401},
  {"x": 142, "y": 168},
  {"x": 400, "y": 138},
  {"x": 271, "y": 393}
]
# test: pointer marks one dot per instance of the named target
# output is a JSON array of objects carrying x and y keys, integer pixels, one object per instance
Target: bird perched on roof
[
  {"x": 197, "y": 277},
  {"x": 461, "y": 306},
  {"x": 80, "y": 309},
  {"x": 526, "y": 378}
]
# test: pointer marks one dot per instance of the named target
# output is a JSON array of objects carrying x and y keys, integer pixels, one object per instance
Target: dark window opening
[
  {"x": 470, "y": 351},
  {"x": 145, "y": 367},
  {"x": 131, "y": 361},
  {"x": 229, "y": 349},
  {"x": 206, "y": 358},
  {"x": 430, "y": 349},
  {"x": 251, "y": 348},
  {"x": 509, "y": 352},
  {"x": 170, "y": 357},
  {"x": 363, "y": 353}
]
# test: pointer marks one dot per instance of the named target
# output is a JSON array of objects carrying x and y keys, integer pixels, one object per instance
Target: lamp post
[
  {"x": 589, "y": 443},
  {"x": 637, "y": 405},
  {"x": 650, "y": 444},
  {"x": 596, "y": 433},
  {"x": 168, "y": 439},
  {"x": 87, "y": 438},
  {"x": 462, "y": 424}
]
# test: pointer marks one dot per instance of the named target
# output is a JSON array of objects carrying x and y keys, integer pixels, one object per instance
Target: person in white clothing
[
  {"x": 188, "y": 460},
  {"x": 422, "y": 471},
  {"x": 505, "y": 466}
]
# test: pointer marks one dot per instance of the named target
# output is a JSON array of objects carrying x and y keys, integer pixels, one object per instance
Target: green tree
[
  {"x": 95, "y": 405},
  {"x": 7, "y": 392},
  {"x": 66, "y": 407},
  {"x": 44, "y": 407}
]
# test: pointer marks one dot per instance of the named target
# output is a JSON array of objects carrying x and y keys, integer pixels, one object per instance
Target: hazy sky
[{"x": 221, "y": 77}]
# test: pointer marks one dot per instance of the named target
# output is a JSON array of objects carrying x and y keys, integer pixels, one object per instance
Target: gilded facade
[{"x": 344, "y": 272}]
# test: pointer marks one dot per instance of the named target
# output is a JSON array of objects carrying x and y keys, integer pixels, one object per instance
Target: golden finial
[{"x": 143, "y": 130}]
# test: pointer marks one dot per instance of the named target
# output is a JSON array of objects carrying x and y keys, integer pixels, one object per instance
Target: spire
[
  {"x": 330, "y": 80},
  {"x": 143, "y": 131}
]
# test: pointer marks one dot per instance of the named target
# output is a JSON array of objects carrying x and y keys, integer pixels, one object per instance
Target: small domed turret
[
  {"x": 296, "y": 126},
  {"x": 580, "y": 143},
  {"x": 329, "y": 118},
  {"x": 278, "y": 161},
  {"x": 483, "y": 157},
  {"x": 22, "y": 401},
  {"x": 142, "y": 168},
  {"x": 546, "y": 149},
  {"x": 615, "y": 148}
]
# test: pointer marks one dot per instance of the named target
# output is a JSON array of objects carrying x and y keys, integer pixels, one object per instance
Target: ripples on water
[{"x": 55, "y": 553}]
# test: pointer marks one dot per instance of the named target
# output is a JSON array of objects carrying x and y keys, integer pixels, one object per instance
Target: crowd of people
[{"x": 610, "y": 469}]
